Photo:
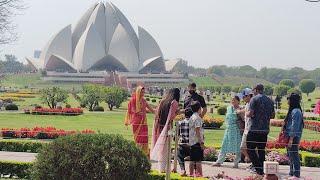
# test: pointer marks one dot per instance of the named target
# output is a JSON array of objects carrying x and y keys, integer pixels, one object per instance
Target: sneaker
[
  {"x": 216, "y": 165},
  {"x": 183, "y": 174}
]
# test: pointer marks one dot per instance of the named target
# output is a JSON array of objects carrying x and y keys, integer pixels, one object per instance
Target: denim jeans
[
  {"x": 293, "y": 154},
  {"x": 256, "y": 144}
]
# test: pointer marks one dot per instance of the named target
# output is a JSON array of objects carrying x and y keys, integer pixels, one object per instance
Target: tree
[
  {"x": 307, "y": 86},
  {"x": 281, "y": 90},
  {"x": 8, "y": 10},
  {"x": 12, "y": 65},
  {"x": 51, "y": 96},
  {"x": 92, "y": 95},
  {"x": 115, "y": 96},
  {"x": 268, "y": 90},
  {"x": 287, "y": 82}
]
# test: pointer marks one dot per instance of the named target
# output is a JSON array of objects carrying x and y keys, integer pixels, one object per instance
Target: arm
[
  {"x": 296, "y": 119},
  {"x": 203, "y": 106},
  {"x": 203, "y": 112},
  {"x": 150, "y": 108},
  {"x": 250, "y": 113}
]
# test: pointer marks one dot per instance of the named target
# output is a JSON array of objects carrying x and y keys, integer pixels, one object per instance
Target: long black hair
[
  {"x": 164, "y": 107},
  {"x": 294, "y": 103}
]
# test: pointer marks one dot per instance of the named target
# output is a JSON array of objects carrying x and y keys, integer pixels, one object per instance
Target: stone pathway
[{"x": 209, "y": 171}]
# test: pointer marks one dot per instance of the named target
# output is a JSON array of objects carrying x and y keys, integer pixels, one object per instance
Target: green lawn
[{"x": 108, "y": 122}]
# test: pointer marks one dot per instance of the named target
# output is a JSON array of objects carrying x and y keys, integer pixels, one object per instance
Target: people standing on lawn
[
  {"x": 184, "y": 147},
  {"x": 232, "y": 137},
  {"x": 191, "y": 96},
  {"x": 293, "y": 127},
  {"x": 166, "y": 112},
  {"x": 196, "y": 140},
  {"x": 261, "y": 110},
  {"x": 137, "y": 117},
  {"x": 246, "y": 95}
]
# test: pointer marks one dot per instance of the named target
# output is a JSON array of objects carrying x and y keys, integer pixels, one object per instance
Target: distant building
[
  {"x": 37, "y": 54},
  {"x": 103, "y": 40}
]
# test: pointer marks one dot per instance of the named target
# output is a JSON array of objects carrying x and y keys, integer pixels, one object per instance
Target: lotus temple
[{"x": 103, "y": 47}]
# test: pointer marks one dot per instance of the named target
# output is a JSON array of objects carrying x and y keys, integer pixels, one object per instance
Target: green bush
[
  {"x": 19, "y": 169},
  {"x": 222, "y": 110},
  {"x": 21, "y": 146},
  {"x": 98, "y": 109},
  {"x": 310, "y": 159},
  {"x": 94, "y": 156},
  {"x": 154, "y": 100},
  {"x": 12, "y": 107},
  {"x": 68, "y": 106},
  {"x": 281, "y": 116},
  {"x": 147, "y": 99}
]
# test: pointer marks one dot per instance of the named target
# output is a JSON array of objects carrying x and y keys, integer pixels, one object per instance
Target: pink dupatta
[{"x": 159, "y": 145}]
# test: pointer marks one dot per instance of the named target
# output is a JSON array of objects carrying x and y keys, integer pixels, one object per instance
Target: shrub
[
  {"x": 154, "y": 100},
  {"x": 281, "y": 116},
  {"x": 97, "y": 156},
  {"x": 147, "y": 99},
  {"x": 310, "y": 159},
  {"x": 222, "y": 110},
  {"x": 19, "y": 169},
  {"x": 281, "y": 158},
  {"x": 98, "y": 108},
  {"x": 313, "y": 105},
  {"x": 68, "y": 106},
  {"x": 21, "y": 146},
  {"x": 12, "y": 107}
]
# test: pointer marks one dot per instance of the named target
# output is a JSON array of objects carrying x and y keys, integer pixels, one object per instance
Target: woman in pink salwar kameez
[
  {"x": 137, "y": 117},
  {"x": 166, "y": 112}
]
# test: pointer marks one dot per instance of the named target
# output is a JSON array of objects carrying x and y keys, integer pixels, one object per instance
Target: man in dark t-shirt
[
  {"x": 191, "y": 96},
  {"x": 261, "y": 110}
]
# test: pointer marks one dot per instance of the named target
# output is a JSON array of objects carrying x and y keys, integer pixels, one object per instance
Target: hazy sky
[{"x": 273, "y": 33}]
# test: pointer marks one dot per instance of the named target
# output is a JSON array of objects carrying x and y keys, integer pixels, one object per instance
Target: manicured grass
[
  {"x": 108, "y": 122},
  {"x": 205, "y": 81}
]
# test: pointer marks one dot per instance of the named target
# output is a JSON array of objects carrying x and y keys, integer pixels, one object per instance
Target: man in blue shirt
[{"x": 261, "y": 110}]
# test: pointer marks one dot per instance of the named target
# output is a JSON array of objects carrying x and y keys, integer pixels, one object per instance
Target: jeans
[
  {"x": 256, "y": 144},
  {"x": 183, "y": 152},
  {"x": 293, "y": 153}
]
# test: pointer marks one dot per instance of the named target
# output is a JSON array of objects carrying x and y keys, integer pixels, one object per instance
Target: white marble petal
[
  {"x": 123, "y": 49},
  {"x": 128, "y": 27},
  {"x": 81, "y": 26},
  {"x": 112, "y": 22},
  {"x": 98, "y": 19},
  {"x": 153, "y": 65},
  {"x": 59, "y": 44},
  {"x": 89, "y": 50},
  {"x": 148, "y": 47}
]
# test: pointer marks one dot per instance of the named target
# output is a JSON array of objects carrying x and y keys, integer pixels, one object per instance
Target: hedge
[
  {"x": 310, "y": 159},
  {"x": 21, "y": 146},
  {"x": 19, "y": 169}
]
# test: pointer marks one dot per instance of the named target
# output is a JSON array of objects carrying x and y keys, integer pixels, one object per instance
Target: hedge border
[
  {"x": 12, "y": 168},
  {"x": 21, "y": 145}
]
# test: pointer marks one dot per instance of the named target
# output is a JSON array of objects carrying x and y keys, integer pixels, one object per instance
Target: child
[
  {"x": 184, "y": 148},
  {"x": 196, "y": 140}
]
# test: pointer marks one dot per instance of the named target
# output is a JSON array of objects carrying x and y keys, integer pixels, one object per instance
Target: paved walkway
[{"x": 209, "y": 171}]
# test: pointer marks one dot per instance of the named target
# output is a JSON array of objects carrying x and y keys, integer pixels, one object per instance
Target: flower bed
[
  {"x": 311, "y": 125},
  {"x": 212, "y": 123},
  {"x": 310, "y": 146},
  {"x": 275, "y": 156},
  {"x": 39, "y": 132},
  {"x": 48, "y": 111}
]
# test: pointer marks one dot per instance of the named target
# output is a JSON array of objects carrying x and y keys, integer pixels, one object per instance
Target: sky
[{"x": 269, "y": 33}]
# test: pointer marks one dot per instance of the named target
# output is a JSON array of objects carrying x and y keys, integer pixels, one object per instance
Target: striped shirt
[{"x": 184, "y": 131}]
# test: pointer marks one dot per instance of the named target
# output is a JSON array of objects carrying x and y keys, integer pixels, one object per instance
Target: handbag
[{"x": 283, "y": 139}]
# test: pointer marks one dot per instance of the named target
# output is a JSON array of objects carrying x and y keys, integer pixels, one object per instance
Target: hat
[{"x": 245, "y": 92}]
